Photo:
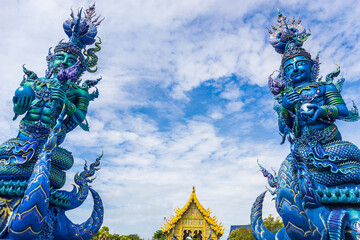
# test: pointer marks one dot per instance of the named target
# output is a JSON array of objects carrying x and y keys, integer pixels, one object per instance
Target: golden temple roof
[{"x": 216, "y": 226}]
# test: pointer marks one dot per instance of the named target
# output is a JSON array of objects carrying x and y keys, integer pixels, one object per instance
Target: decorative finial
[
  {"x": 81, "y": 30},
  {"x": 288, "y": 34},
  {"x": 193, "y": 189}
]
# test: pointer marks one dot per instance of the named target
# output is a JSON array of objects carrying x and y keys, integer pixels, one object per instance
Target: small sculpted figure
[
  {"x": 32, "y": 165},
  {"x": 316, "y": 189}
]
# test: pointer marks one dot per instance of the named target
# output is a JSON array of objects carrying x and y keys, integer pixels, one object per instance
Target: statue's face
[
  {"x": 64, "y": 58},
  {"x": 298, "y": 70}
]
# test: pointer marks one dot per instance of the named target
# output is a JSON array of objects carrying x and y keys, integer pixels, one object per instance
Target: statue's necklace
[
  {"x": 42, "y": 88},
  {"x": 307, "y": 98}
]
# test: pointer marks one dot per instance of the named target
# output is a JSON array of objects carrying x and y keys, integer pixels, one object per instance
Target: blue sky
[{"x": 183, "y": 100}]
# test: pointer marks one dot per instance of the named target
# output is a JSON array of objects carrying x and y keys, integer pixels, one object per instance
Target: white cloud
[
  {"x": 216, "y": 115},
  {"x": 231, "y": 92}
]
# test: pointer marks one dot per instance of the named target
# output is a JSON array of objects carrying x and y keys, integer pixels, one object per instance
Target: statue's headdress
[
  {"x": 287, "y": 39},
  {"x": 81, "y": 31}
]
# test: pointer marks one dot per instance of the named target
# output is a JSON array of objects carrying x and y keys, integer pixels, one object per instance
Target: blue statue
[
  {"x": 317, "y": 191},
  {"x": 32, "y": 165}
]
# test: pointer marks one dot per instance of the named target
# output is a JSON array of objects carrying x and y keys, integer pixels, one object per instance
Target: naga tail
[
  {"x": 258, "y": 228},
  {"x": 257, "y": 225},
  {"x": 89, "y": 228},
  {"x": 272, "y": 180},
  {"x": 67, "y": 230},
  {"x": 80, "y": 192}
]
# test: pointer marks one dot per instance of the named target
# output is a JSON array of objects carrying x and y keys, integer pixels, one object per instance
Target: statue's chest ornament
[
  {"x": 310, "y": 94},
  {"x": 42, "y": 88}
]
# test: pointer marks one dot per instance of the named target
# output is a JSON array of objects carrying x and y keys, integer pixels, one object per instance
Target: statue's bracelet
[
  {"x": 70, "y": 108},
  {"x": 329, "y": 111}
]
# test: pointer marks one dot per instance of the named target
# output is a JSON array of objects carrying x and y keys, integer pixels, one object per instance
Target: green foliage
[
  {"x": 243, "y": 233},
  {"x": 159, "y": 235},
  {"x": 273, "y": 224},
  {"x": 134, "y": 237},
  {"x": 104, "y": 234}
]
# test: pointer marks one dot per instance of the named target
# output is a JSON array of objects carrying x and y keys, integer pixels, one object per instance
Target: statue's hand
[
  {"x": 290, "y": 99},
  {"x": 313, "y": 113},
  {"x": 59, "y": 94},
  {"x": 21, "y": 105}
]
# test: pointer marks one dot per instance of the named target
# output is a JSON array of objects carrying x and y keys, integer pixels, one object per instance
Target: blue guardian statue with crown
[
  {"x": 32, "y": 165},
  {"x": 317, "y": 188}
]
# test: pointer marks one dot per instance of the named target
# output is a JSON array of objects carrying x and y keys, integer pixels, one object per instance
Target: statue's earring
[
  {"x": 312, "y": 73},
  {"x": 50, "y": 70}
]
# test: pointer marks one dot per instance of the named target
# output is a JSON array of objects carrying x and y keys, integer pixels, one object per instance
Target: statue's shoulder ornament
[
  {"x": 87, "y": 84},
  {"x": 29, "y": 77}
]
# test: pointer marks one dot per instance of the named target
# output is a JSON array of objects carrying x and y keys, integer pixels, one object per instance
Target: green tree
[
  {"x": 123, "y": 237},
  {"x": 244, "y": 233},
  {"x": 104, "y": 234},
  {"x": 273, "y": 224},
  {"x": 134, "y": 237},
  {"x": 159, "y": 235}
]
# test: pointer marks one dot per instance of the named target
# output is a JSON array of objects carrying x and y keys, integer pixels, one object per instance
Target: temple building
[{"x": 192, "y": 222}]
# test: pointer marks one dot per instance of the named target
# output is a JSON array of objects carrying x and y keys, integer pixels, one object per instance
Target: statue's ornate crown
[
  {"x": 287, "y": 38},
  {"x": 81, "y": 32},
  {"x": 70, "y": 48},
  {"x": 293, "y": 52}
]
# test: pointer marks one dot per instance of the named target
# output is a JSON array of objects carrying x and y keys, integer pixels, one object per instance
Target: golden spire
[{"x": 217, "y": 227}]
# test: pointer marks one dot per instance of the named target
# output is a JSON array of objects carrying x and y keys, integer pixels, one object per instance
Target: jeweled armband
[
  {"x": 82, "y": 103},
  {"x": 329, "y": 111},
  {"x": 333, "y": 98},
  {"x": 70, "y": 108}
]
